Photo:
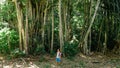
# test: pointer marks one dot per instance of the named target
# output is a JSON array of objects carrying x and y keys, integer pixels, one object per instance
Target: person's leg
[{"x": 57, "y": 61}]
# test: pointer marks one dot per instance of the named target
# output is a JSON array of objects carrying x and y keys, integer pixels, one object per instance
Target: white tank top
[{"x": 58, "y": 55}]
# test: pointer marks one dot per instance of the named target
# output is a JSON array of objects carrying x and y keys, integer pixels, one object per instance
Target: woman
[{"x": 58, "y": 56}]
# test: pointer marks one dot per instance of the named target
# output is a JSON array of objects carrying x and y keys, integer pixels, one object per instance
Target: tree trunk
[
  {"x": 60, "y": 27},
  {"x": 100, "y": 33},
  {"x": 26, "y": 28},
  {"x": 43, "y": 27},
  {"x": 105, "y": 35},
  {"x": 30, "y": 27},
  {"x": 89, "y": 48},
  {"x": 105, "y": 44},
  {"x": 65, "y": 23},
  {"x": 88, "y": 31},
  {"x": 20, "y": 20},
  {"x": 52, "y": 29}
]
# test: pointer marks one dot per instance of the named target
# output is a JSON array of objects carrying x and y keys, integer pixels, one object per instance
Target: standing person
[{"x": 58, "y": 56}]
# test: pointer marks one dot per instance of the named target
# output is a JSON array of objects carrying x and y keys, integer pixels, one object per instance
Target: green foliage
[
  {"x": 17, "y": 53},
  {"x": 8, "y": 12},
  {"x": 14, "y": 39},
  {"x": 4, "y": 48},
  {"x": 52, "y": 54},
  {"x": 77, "y": 14},
  {"x": 8, "y": 40},
  {"x": 39, "y": 50},
  {"x": 70, "y": 49}
]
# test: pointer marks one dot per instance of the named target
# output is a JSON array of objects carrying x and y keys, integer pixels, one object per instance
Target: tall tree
[
  {"x": 20, "y": 23},
  {"x": 52, "y": 28},
  {"x": 91, "y": 23},
  {"x": 26, "y": 28},
  {"x": 60, "y": 26}
]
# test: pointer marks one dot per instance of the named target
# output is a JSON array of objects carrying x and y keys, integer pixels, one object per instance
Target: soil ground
[{"x": 95, "y": 60}]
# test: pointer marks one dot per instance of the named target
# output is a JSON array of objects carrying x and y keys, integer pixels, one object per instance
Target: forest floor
[{"x": 96, "y": 60}]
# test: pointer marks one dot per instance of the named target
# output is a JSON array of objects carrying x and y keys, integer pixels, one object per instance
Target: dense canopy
[{"x": 75, "y": 26}]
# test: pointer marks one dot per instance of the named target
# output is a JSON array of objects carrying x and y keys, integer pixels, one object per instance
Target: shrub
[
  {"x": 4, "y": 48},
  {"x": 8, "y": 40},
  {"x": 17, "y": 53},
  {"x": 39, "y": 50},
  {"x": 70, "y": 49}
]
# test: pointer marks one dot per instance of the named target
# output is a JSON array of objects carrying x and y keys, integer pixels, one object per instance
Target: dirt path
[{"x": 80, "y": 61}]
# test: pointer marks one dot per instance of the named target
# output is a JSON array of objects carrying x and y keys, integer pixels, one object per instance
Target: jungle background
[{"x": 86, "y": 31}]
